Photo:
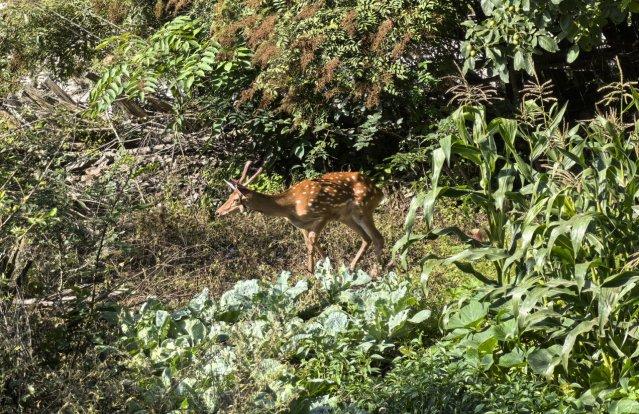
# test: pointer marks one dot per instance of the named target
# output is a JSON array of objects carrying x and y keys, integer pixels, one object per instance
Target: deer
[{"x": 346, "y": 197}]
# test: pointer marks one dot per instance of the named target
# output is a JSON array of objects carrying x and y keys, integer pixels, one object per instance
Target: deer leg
[
  {"x": 317, "y": 249},
  {"x": 312, "y": 236},
  {"x": 310, "y": 264},
  {"x": 365, "y": 241},
  {"x": 368, "y": 225}
]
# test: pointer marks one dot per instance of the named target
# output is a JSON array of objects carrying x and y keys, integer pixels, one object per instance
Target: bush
[
  {"x": 60, "y": 37},
  {"x": 441, "y": 379}
]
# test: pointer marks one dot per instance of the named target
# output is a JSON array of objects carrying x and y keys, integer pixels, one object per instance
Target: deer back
[{"x": 334, "y": 194}]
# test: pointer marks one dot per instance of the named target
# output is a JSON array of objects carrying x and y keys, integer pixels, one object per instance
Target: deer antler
[
  {"x": 244, "y": 171},
  {"x": 258, "y": 172}
]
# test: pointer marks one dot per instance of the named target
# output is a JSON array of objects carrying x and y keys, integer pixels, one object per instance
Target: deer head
[{"x": 240, "y": 192}]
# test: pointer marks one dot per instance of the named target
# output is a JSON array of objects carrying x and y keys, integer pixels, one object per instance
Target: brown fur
[{"x": 347, "y": 197}]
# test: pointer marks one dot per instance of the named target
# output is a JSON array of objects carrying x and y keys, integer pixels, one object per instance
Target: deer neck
[{"x": 270, "y": 205}]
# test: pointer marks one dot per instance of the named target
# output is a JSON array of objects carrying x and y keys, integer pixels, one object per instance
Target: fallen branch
[{"x": 56, "y": 299}]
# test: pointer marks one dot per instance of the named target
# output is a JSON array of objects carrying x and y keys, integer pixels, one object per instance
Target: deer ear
[{"x": 231, "y": 185}]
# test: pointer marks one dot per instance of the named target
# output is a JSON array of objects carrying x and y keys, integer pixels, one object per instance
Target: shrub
[
  {"x": 176, "y": 60},
  {"x": 441, "y": 379},
  {"x": 60, "y": 37}
]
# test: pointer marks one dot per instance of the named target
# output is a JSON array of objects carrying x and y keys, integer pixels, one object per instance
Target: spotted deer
[{"x": 347, "y": 197}]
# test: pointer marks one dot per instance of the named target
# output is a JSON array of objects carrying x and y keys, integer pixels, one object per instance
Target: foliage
[
  {"x": 56, "y": 236},
  {"x": 352, "y": 79},
  {"x": 267, "y": 341},
  {"x": 334, "y": 53},
  {"x": 441, "y": 379},
  {"x": 561, "y": 206},
  {"x": 60, "y": 37},
  {"x": 323, "y": 85},
  {"x": 516, "y": 31},
  {"x": 178, "y": 58},
  {"x": 326, "y": 108}
]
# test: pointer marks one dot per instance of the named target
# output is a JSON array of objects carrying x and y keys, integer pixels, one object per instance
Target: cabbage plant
[{"x": 288, "y": 346}]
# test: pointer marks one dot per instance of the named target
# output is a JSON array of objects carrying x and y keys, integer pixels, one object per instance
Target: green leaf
[
  {"x": 569, "y": 342},
  {"x": 468, "y": 315},
  {"x": 420, "y": 316},
  {"x": 620, "y": 279},
  {"x": 197, "y": 304},
  {"x": 336, "y": 322},
  {"x": 573, "y": 53},
  {"x": 415, "y": 203},
  {"x": 196, "y": 330},
  {"x": 446, "y": 145},
  {"x": 519, "y": 62},
  {"x": 579, "y": 224},
  {"x": 548, "y": 43},
  {"x": 580, "y": 274},
  {"x": 161, "y": 319},
  {"x": 299, "y": 151},
  {"x": 396, "y": 321},
  {"x": 439, "y": 155},
  {"x": 513, "y": 358},
  {"x": 543, "y": 361},
  {"x": 624, "y": 406}
]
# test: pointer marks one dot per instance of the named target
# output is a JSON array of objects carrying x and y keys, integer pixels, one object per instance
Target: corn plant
[{"x": 561, "y": 207}]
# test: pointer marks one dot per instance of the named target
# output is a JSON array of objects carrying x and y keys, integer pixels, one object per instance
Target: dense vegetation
[{"x": 504, "y": 132}]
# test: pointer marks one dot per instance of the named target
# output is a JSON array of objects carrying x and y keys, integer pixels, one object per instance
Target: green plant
[
  {"x": 59, "y": 37},
  {"x": 513, "y": 32},
  {"x": 442, "y": 379},
  {"x": 560, "y": 207},
  {"x": 306, "y": 348},
  {"x": 179, "y": 58}
]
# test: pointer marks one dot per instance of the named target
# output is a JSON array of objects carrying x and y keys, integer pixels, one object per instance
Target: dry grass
[{"x": 178, "y": 251}]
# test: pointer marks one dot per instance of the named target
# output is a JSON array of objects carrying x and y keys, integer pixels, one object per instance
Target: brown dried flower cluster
[
  {"x": 328, "y": 73},
  {"x": 400, "y": 46},
  {"x": 369, "y": 92},
  {"x": 264, "y": 53},
  {"x": 331, "y": 93},
  {"x": 308, "y": 47},
  {"x": 268, "y": 96},
  {"x": 176, "y": 6},
  {"x": 263, "y": 31},
  {"x": 158, "y": 9},
  {"x": 349, "y": 23},
  {"x": 382, "y": 32},
  {"x": 309, "y": 10},
  {"x": 247, "y": 94},
  {"x": 115, "y": 12},
  {"x": 253, "y": 4},
  {"x": 228, "y": 36},
  {"x": 372, "y": 100}
]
